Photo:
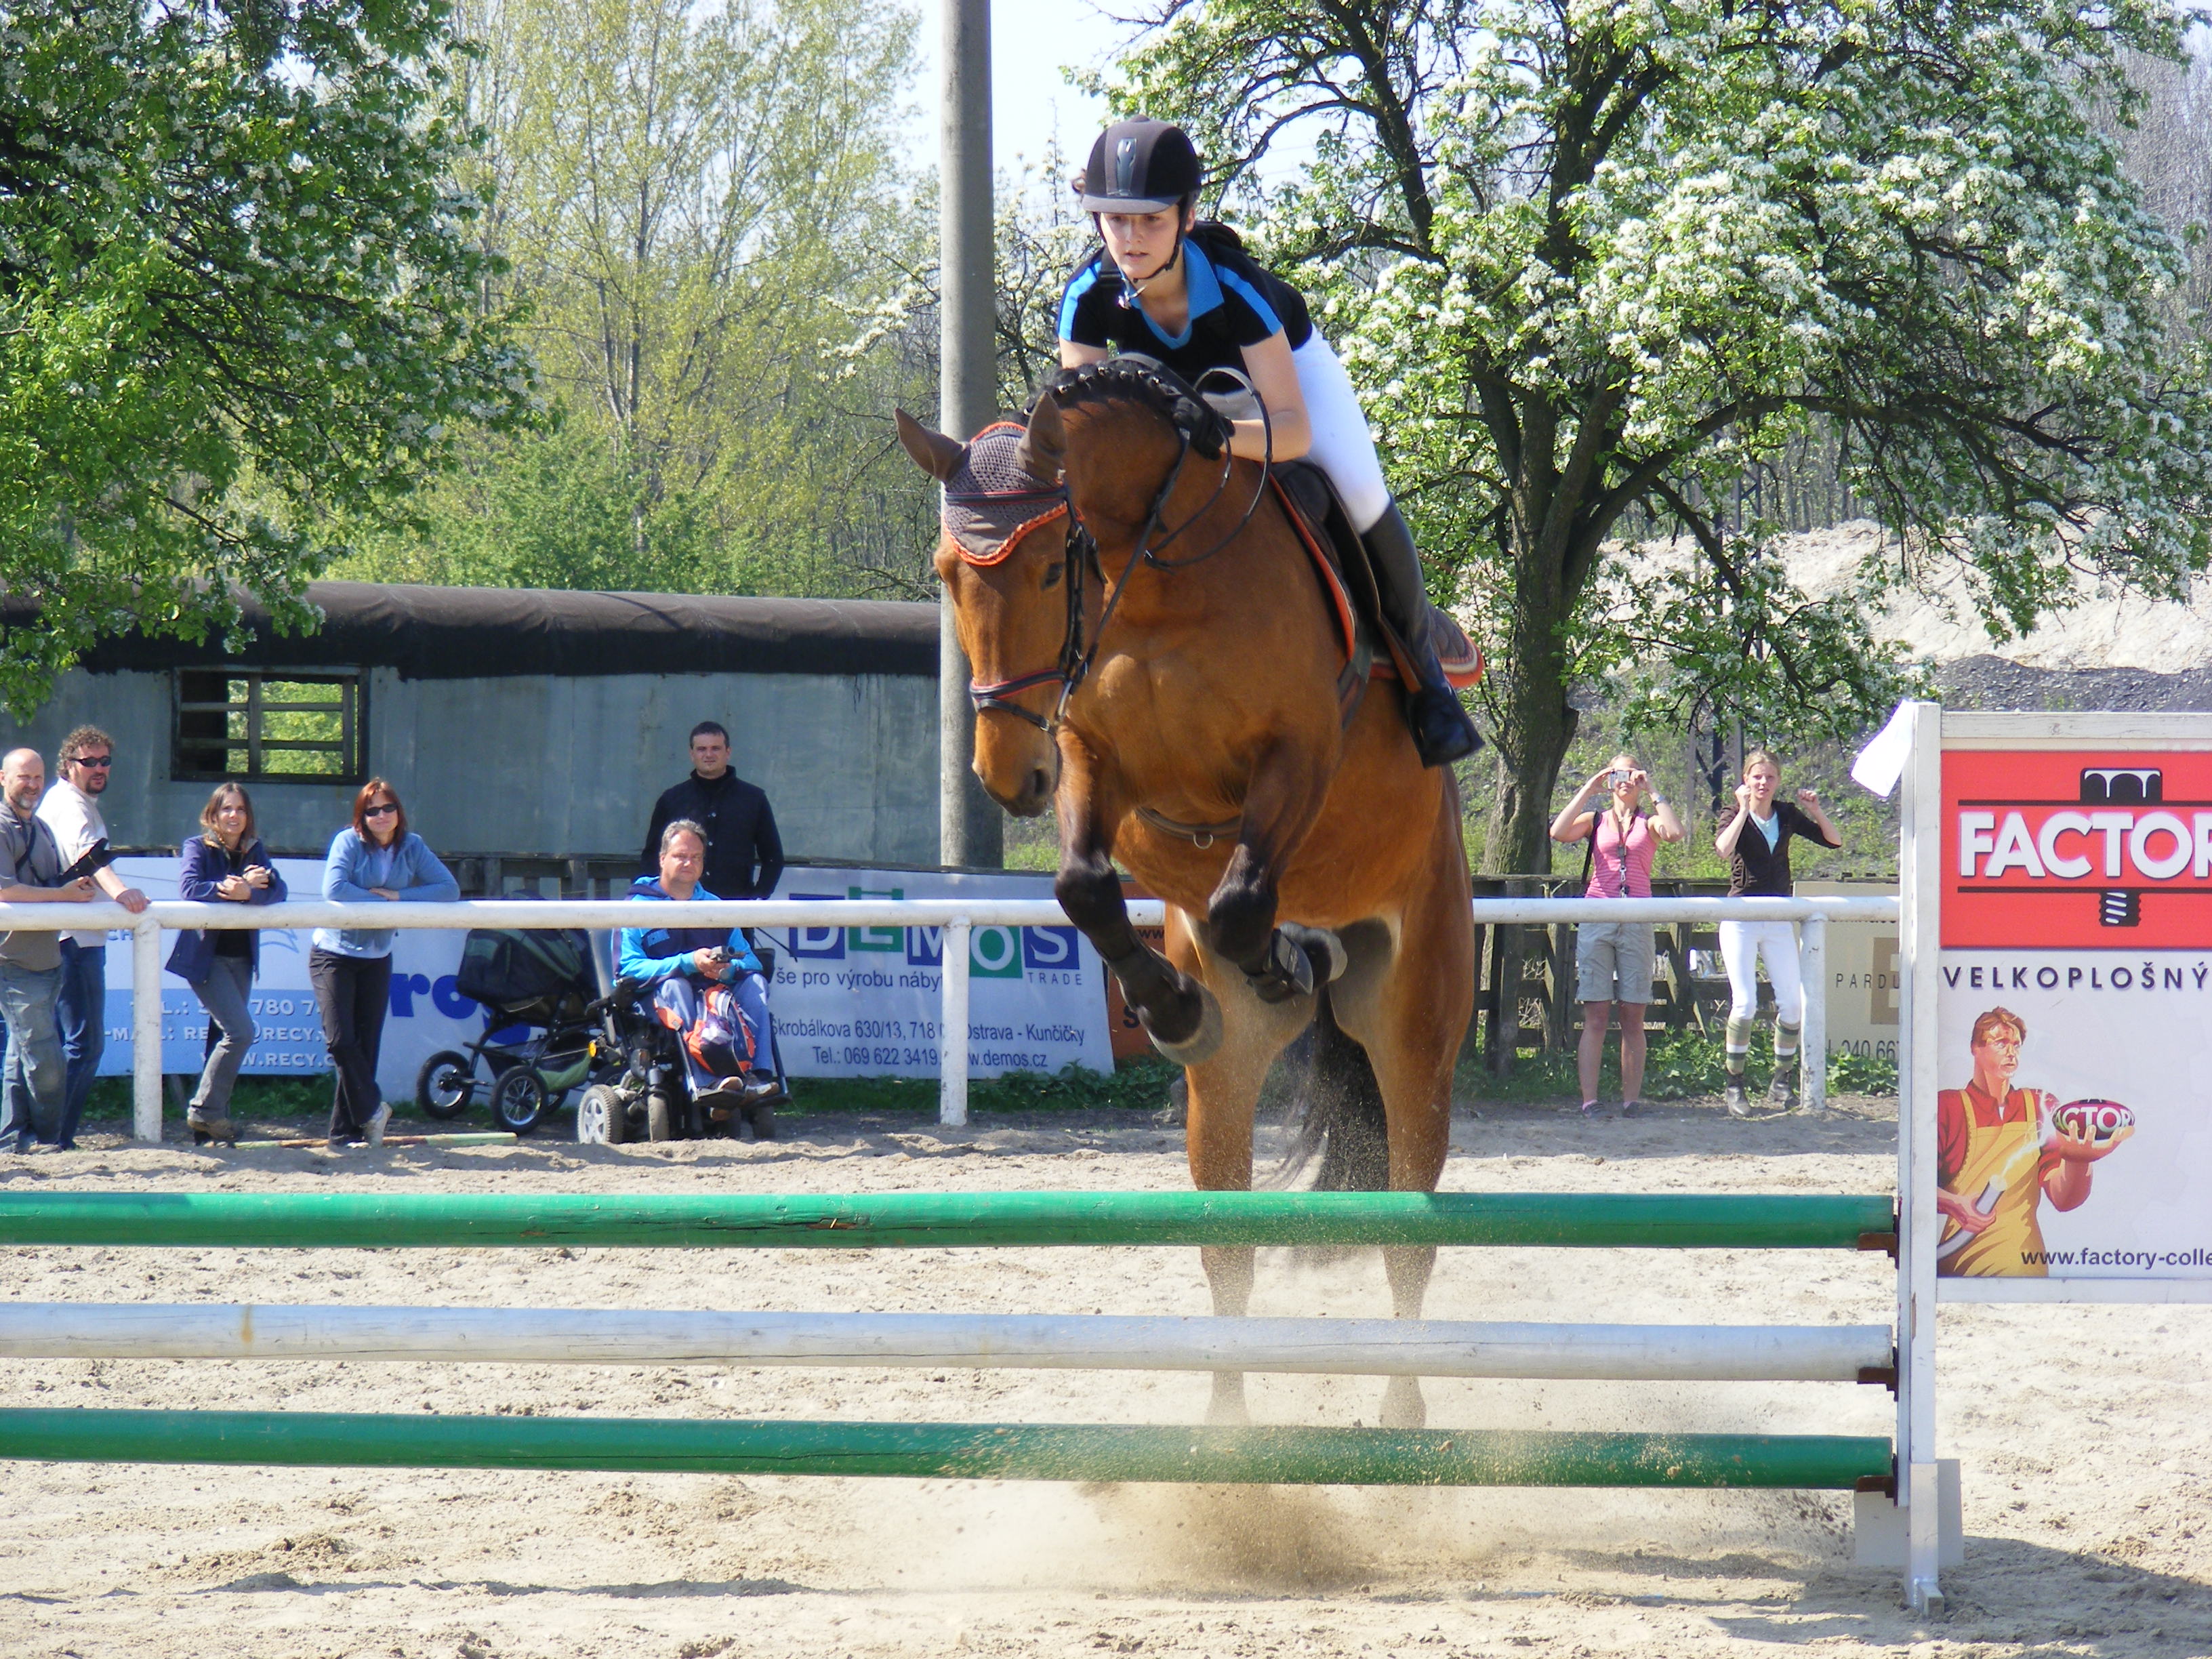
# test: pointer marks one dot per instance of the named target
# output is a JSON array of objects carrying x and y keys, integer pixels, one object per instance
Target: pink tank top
[{"x": 1619, "y": 871}]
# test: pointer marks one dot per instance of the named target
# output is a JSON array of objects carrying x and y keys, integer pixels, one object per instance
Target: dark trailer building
[{"x": 524, "y": 724}]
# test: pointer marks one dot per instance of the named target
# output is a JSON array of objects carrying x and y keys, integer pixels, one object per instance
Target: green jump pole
[
  {"x": 935, "y": 1220},
  {"x": 960, "y": 1451}
]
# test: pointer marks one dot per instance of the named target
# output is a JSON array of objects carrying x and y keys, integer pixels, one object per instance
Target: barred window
[{"x": 244, "y": 724}]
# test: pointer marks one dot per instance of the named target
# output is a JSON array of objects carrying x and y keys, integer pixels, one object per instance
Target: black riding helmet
[{"x": 1140, "y": 166}]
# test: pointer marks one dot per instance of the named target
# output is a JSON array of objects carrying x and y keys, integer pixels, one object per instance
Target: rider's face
[{"x": 1140, "y": 243}]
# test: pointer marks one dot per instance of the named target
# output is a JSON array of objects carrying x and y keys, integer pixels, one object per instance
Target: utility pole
[{"x": 969, "y": 829}]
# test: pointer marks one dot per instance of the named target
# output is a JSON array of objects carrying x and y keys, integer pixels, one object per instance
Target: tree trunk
[{"x": 1534, "y": 724}]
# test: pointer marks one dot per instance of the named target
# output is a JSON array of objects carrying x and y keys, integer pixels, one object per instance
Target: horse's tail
[{"x": 1335, "y": 1111}]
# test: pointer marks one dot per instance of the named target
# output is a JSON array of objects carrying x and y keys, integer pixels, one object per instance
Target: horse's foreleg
[
  {"x": 1178, "y": 1013},
  {"x": 1280, "y": 803}
]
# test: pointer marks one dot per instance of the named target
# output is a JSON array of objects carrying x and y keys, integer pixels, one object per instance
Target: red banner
[{"x": 2080, "y": 848}]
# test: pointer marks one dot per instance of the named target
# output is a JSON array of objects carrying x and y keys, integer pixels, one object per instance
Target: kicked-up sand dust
[{"x": 2086, "y": 1434}]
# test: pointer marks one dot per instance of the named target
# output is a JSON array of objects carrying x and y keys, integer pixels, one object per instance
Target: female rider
[{"x": 1187, "y": 295}]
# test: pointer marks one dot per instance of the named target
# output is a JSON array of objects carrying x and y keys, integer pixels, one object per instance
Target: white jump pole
[
  {"x": 1812, "y": 1039},
  {"x": 952, "y": 1028},
  {"x": 146, "y": 1029},
  {"x": 1359, "y": 1347}
]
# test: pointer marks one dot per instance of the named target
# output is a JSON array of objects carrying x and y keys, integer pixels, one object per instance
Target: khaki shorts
[{"x": 1613, "y": 961}]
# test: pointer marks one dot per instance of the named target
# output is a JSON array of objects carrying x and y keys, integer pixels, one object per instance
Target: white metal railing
[{"x": 957, "y": 917}]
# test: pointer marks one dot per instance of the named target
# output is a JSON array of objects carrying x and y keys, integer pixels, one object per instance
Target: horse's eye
[{"x": 1052, "y": 576}]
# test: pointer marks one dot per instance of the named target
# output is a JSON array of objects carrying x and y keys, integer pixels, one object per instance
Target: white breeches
[
  {"x": 1342, "y": 446},
  {"x": 1742, "y": 944}
]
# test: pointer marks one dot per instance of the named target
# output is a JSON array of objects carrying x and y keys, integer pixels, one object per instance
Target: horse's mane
[{"x": 1150, "y": 383}]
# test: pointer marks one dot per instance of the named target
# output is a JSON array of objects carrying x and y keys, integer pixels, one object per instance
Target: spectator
[
  {"x": 72, "y": 810},
  {"x": 1754, "y": 838},
  {"x": 709, "y": 987},
  {"x": 33, "y": 1081},
  {"x": 377, "y": 857},
  {"x": 744, "y": 854},
  {"x": 1613, "y": 959},
  {"x": 225, "y": 864}
]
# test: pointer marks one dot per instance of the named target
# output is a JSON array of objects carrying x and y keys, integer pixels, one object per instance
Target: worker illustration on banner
[
  {"x": 2002, "y": 1149},
  {"x": 2076, "y": 986}
]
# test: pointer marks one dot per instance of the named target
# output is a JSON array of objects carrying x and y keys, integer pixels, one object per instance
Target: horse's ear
[
  {"x": 933, "y": 452},
  {"x": 1044, "y": 443}
]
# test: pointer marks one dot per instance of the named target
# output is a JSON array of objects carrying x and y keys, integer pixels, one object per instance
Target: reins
[{"x": 1074, "y": 665}]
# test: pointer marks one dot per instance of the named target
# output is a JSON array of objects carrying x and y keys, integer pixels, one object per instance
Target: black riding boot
[{"x": 1442, "y": 731}]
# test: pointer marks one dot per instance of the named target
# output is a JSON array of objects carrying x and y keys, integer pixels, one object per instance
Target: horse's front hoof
[
  {"x": 1403, "y": 1408},
  {"x": 1198, "y": 1046},
  {"x": 1287, "y": 971}
]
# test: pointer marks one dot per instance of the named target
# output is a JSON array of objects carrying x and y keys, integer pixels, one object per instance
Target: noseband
[{"x": 1081, "y": 556}]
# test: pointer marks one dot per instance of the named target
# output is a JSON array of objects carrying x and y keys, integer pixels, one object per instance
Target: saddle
[{"x": 1373, "y": 648}]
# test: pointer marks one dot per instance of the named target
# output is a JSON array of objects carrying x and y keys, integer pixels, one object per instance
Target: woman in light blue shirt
[{"x": 377, "y": 858}]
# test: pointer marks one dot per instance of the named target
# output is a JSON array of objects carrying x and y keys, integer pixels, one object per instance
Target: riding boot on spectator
[{"x": 1442, "y": 732}]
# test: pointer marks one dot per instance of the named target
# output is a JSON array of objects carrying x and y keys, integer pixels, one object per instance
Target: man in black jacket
[{"x": 744, "y": 854}]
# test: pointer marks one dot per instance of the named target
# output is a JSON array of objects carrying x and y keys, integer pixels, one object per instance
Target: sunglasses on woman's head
[{"x": 383, "y": 812}]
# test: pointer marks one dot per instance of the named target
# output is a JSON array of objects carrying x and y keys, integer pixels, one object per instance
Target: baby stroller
[
  {"x": 643, "y": 1092},
  {"x": 537, "y": 986}
]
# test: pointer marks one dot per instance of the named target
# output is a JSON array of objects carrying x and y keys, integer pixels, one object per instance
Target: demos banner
[
  {"x": 864, "y": 1002},
  {"x": 2074, "y": 1008},
  {"x": 847, "y": 1001}
]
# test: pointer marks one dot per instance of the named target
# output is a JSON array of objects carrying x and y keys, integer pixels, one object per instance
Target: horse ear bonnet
[{"x": 993, "y": 501}]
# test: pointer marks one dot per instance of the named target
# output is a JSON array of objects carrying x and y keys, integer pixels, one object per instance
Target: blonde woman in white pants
[{"x": 1754, "y": 838}]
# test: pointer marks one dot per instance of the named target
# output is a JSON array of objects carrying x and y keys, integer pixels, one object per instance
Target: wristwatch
[{"x": 1658, "y": 799}]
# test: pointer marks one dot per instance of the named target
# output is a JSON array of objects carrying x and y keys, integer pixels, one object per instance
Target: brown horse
[{"x": 1162, "y": 655}]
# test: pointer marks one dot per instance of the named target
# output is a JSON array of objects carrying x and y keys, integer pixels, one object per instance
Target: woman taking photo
[
  {"x": 1187, "y": 295},
  {"x": 1754, "y": 838},
  {"x": 375, "y": 860},
  {"x": 1613, "y": 959},
  {"x": 225, "y": 864}
]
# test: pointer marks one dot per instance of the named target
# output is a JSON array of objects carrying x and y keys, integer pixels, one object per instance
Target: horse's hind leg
[
  {"x": 1408, "y": 1002},
  {"x": 1224, "y": 1092}
]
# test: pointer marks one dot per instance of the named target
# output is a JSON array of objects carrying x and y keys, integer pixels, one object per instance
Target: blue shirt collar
[{"x": 1204, "y": 290}]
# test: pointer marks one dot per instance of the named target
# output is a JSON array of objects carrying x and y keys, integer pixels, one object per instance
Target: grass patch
[
  {"x": 1138, "y": 1085},
  {"x": 1677, "y": 1065}
]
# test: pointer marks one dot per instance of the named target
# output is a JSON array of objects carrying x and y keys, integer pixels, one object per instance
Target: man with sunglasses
[{"x": 71, "y": 810}]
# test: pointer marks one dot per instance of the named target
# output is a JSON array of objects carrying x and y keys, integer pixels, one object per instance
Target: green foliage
[
  {"x": 232, "y": 254},
  {"x": 694, "y": 201},
  {"x": 1595, "y": 261}
]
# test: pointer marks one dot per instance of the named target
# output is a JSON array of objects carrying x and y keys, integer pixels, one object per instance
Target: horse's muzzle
[{"x": 1017, "y": 765}]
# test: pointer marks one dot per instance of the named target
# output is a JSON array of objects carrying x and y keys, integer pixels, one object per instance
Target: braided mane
[{"x": 1131, "y": 379}]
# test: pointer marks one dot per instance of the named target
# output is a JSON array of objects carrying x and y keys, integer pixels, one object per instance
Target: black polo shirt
[{"x": 1234, "y": 303}]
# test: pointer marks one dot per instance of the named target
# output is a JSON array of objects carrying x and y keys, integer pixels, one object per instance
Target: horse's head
[{"x": 1003, "y": 558}]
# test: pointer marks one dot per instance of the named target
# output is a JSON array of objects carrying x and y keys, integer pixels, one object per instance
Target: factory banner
[
  {"x": 848, "y": 1001},
  {"x": 2074, "y": 1008}
]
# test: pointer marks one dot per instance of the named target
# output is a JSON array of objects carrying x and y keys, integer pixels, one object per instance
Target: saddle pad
[{"x": 1462, "y": 662}]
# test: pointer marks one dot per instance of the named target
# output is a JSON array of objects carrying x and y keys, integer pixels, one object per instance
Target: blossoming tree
[{"x": 1591, "y": 259}]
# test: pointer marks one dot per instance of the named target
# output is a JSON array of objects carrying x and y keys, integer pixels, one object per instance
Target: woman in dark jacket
[{"x": 226, "y": 863}]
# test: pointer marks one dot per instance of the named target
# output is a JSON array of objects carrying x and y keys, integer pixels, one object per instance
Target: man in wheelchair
[{"x": 707, "y": 985}]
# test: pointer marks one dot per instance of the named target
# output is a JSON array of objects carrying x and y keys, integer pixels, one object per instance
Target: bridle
[{"x": 1081, "y": 554}]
